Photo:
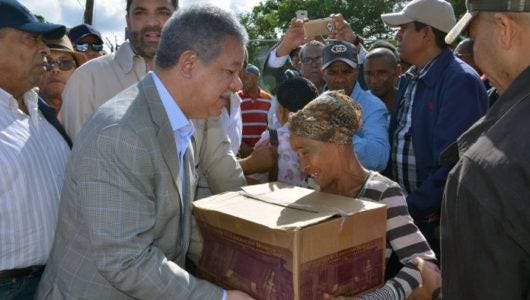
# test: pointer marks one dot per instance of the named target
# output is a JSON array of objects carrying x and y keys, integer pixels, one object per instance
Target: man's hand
[
  {"x": 293, "y": 38},
  {"x": 245, "y": 150},
  {"x": 342, "y": 29},
  {"x": 431, "y": 280},
  {"x": 237, "y": 295},
  {"x": 261, "y": 160}
]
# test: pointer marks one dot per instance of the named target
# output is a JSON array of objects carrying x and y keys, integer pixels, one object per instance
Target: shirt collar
[
  {"x": 30, "y": 97},
  {"x": 177, "y": 119},
  {"x": 414, "y": 73},
  {"x": 126, "y": 58}
]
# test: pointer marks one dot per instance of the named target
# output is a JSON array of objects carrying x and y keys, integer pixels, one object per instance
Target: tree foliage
[{"x": 270, "y": 19}]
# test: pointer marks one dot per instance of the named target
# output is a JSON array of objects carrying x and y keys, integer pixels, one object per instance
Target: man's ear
[
  {"x": 187, "y": 63},
  {"x": 507, "y": 30}
]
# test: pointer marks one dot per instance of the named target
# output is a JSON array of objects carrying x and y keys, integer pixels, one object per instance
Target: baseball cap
[
  {"x": 436, "y": 13},
  {"x": 64, "y": 45},
  {"x": 339, "y": 50},
  {"x": 80, "y": 31},
  {"x": 475, "y": 6},
  {"x": 253, "y": 69},
  {"x": 15, "y": 15}
]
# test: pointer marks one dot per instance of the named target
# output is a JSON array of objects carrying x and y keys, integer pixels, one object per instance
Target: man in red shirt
[{"x": 255, "y": 104}]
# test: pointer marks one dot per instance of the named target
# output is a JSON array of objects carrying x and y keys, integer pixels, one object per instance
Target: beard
[{"x": 142, "y": 47}]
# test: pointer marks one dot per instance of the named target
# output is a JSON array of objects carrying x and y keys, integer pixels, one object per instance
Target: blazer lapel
[{"x": 165, "y": 135}]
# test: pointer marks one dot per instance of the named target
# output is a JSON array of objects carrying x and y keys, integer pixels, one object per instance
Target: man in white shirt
[{"x": 33, "y": 154}]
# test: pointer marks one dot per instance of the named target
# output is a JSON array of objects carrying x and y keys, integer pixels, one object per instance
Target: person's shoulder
[
  {"x": 96, "y": 65},
  {"x": 264, "y": 94},
  {"x": 369, "y": 101},
  {"x": 378, "y": 187},
  {"x": 457, "y": 69}
]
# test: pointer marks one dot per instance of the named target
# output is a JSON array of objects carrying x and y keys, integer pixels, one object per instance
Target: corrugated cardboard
[{"x": 276, "y": 241}]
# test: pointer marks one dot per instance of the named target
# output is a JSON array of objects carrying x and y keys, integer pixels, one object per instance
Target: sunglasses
[
  {"x": 84, "y": 47},
  {"x": 63, "y": 64}
]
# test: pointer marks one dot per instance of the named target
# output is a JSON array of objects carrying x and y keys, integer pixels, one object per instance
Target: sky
[{"x": 109, "y": 15}]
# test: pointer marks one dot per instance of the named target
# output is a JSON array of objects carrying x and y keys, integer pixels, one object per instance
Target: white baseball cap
[{"x": 436, "y": 13}]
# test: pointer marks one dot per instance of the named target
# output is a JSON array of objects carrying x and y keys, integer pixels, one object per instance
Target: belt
[{"x": 15, "y": 273}]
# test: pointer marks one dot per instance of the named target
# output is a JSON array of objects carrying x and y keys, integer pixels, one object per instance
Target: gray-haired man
[{"x": 125, "y": 218}]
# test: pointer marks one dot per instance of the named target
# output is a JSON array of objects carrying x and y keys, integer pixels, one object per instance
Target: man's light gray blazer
[{"x": 118, "y": 234}]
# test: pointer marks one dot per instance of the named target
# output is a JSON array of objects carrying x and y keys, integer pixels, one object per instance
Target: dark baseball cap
[
  {"x": 476, "y": 6},
  {"x": 339, "y": 50},
  {"x": 80, "y": 31},
  {"x": 15, "y": 15}
]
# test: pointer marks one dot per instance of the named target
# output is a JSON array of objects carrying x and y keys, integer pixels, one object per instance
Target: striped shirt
[
  {"x": 254, "y": 114},
  {"x": 403, "y": 238},
  {"x": 33, "y": 158},
  {"x": 402, "y": 154}
]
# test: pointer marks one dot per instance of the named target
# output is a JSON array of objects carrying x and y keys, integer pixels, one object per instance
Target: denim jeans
[{"x": 20, "y": 288}]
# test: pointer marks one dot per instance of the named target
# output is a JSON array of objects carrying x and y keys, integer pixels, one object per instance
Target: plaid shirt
[{"x": 403, "y": 158}]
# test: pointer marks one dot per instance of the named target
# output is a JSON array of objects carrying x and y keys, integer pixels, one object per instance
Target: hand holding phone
[
  {"x": 318, "y": 27},
  {"x": 301, "y": 14}
]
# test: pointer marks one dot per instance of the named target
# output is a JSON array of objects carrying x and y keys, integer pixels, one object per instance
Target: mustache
[{"x": 157, "y": 29}]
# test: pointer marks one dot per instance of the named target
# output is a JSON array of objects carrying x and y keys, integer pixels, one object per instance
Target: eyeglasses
[
  {"x": 83, "y": 47},
  {"x": 311, "y": 60},
  {"x": 63, "y": 64}
]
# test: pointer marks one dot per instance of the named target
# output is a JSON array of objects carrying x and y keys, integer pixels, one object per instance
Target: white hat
[{"x": 436, "y": 13}]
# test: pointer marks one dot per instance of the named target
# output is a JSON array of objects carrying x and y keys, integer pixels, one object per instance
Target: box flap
[{"x": 282, "y": 206}]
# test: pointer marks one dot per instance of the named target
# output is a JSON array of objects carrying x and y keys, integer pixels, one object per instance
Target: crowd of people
[{"x": 103, "y": 154}]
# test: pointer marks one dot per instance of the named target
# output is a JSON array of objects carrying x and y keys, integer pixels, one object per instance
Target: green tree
[{"x": 270, "y": 19}]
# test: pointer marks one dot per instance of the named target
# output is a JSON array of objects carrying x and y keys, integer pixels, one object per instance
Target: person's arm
[
  {"x": 276, "y": 63},
  {"x": 216, "y": 158},
  {"x": 261, "y": 160},
  {"x": 118, "y": 206},
  {"x": 407, "y": 242},
  {"x": 78, "y": 98},
  {"x": 370, "y": 143},
  {"x": 464, "y": 101}
]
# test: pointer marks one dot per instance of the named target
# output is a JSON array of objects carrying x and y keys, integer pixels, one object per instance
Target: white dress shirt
[{"x": 33, "y": 158}]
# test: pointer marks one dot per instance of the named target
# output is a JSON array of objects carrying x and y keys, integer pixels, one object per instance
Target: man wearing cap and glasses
[
  {"x": 99, "y": 80},
  {"x": 340, "y": 72},
  {"x": 33, "y": 154},
  {"x": 87, "y": 40},
  {"x": 486, "y": 212},
  {"x": 438, "y": 99},
  {"x": 62, "y": 61}
]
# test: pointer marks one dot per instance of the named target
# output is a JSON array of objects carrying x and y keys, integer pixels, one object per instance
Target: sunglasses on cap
[
  {"x": 83, "y": 47},
  {"x": 62, "y": 64}
]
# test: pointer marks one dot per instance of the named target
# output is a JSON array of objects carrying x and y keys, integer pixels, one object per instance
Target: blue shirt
[
  {"x": 181, "y": 126},
  {"x": 370, "y": 143}
]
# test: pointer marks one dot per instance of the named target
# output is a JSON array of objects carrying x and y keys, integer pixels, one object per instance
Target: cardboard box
[{"x": 276, "y": 241}]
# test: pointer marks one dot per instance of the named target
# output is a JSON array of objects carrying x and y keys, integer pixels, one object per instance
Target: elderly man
[
  {"x": 125, "y": 217},
  {"x": 486, "y": 212},
  {"x": 381, "y": 72},
  {"x": 86, "y": 40},
  {"x": 62, "y": 62},
  {"x": 438, "y": 99},
  {"x": 33, "y": 154},
  {"x": 101, "y": 79},
  {"x": 340, "y": 71}
]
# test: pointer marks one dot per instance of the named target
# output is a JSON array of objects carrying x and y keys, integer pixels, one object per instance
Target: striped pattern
[
  {"x": 403, "y": 237},
  {"x": 402, "y": 153},
  {"x": 32, "y": 159},
  {"x": 254, "y": 115}
]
